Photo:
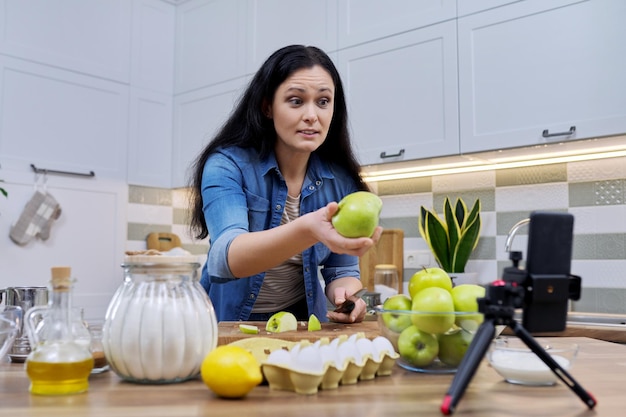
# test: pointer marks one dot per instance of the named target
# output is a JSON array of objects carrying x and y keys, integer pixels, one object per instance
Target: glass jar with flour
[{"x": 160, "y": 324}]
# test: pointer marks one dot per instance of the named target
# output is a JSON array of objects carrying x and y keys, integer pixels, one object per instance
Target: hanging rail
[{"x": 52, "y": 171}]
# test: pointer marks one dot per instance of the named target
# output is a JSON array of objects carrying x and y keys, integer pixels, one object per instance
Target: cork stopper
[{"x": 61, "y": 277}]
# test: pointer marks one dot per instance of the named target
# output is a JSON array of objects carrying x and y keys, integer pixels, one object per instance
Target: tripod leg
[
  {"x": 469, "y": 364},
  {"x": 567, "y": 379}
]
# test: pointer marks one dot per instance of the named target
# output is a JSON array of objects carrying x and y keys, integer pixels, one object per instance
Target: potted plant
[{"x": 452, "y": 239}]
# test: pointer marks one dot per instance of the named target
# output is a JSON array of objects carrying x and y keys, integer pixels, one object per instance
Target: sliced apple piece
[
  {"x": 283, "y": 321},
  {"x": 248, "y": 329},
  {"x": 314, "y": 323}
]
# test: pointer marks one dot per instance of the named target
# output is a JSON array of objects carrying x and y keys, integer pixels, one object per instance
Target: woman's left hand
[{"x": 324, "y": 232}]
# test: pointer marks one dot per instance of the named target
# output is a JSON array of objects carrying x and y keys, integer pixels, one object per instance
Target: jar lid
[
  {"x": 386, "y": 266},
  {"x": 153, "y": 256}
]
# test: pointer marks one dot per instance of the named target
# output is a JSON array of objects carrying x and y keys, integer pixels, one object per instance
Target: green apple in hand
[
  {"x": 429, "y": 277},
  {"x": 397, "y": 321},
  {"x": 453, "y": 345},
  {"x": 433, "y": 300},
  {"x": 358, "y": 214},
  {"x": 416, "y": 347},
  {"x": 465, "y": 298}
]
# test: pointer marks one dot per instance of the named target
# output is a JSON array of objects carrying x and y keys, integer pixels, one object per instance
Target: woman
[{"x": 265, "y": 190}]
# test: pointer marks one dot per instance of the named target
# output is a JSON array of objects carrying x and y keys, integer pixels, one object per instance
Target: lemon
[{"x": 230, "y": 371}]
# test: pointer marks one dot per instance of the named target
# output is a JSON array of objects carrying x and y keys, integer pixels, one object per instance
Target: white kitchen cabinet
[
  {"x": 89, "y": 236},
  {"x": 153, "y": 43},
  {"x": 542, "y": 66},
  {"x": 61, "y": 120},
  {"x": 151, "y": 94},
  {"x": 465, "y": 7},
  {"x": 211, "y": 40},
  {"x": 402, "y": 95},
  {"x": 197, "y": 117},
  {"x": 366, "y": 20},
  {"x": 90, "y": 37},
  {"x": 277, "y": 23},
  {"x": 150, "y": 139}
]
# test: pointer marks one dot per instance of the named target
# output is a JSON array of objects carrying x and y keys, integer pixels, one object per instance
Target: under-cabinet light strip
[{"x": 424, "y": 172}]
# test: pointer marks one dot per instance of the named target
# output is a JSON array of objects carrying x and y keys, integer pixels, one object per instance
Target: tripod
[{"x": 498, "y": 308}]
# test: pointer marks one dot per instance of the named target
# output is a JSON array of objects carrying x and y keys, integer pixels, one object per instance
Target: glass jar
[
  {"x": 60, "y": 360},
  {"x": 386, "y": 281},
  {"x": 160, "y": 324}
]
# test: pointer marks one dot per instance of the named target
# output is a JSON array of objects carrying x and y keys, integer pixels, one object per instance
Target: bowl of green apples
[{"x": 433, "y": 326}]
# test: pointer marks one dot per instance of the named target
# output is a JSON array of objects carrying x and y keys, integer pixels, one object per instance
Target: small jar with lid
[
  {"x": 386, "y": 281},
  {"x": 160, "y": 324}
]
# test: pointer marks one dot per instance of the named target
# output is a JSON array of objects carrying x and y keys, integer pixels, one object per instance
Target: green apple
[
  {"x": 416, "y": 347},
  {"x": 453, "y": 345},
  {"x": 283, "y": 321},
  {"x": 429, "y": 277},
  {"x": 397, "y": 321},
  {"x": 358, "y": 214},
  {"x": 465, "y": 298},
  {"x": 314, "y": 323},
  {"x": 433, "y": 300}
]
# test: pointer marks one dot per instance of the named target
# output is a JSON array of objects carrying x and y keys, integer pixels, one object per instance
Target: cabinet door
[
  {"x": 365, "y": 20},
  {"x": 210, "y": 43},
  {"x": 197, "y": 117},
  {"x": 61, "y": 120},
  {"x": 90, "y": 37},
  {"x": 278, "y": 23},
  {"x": 402, "y": 95},
  {"x": 547, "y": 66},
  {"x": 150, "y": 139},
  {"x": 89, "y": 236}
]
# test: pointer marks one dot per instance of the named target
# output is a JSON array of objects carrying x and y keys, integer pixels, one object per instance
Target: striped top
[{"x": 283, "y": 285}]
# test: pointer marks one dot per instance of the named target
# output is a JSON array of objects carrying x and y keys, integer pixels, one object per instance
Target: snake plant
[{"x": 452, "y": 239}]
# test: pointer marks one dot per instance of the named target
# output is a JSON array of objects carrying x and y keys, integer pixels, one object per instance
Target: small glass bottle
[{"x": 60, "y": 363}]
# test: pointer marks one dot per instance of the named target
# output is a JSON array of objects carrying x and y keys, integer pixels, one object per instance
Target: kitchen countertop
[{"x": 600, "y": 369}]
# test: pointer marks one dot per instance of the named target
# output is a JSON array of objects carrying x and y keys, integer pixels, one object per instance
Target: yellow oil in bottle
[{"x": 59, "y": 378}]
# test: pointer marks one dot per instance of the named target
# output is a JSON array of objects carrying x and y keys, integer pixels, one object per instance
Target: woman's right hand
[{"x": 323, "y": 230}]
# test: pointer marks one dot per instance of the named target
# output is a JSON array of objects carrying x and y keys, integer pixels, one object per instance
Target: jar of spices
[{"x": 160, "y": 324}]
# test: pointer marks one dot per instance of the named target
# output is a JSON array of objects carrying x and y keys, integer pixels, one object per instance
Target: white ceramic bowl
[{"x": 517, "y": 364}]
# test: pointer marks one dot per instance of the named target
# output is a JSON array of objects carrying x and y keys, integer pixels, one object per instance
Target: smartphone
[{"x": 548, "y": 265}]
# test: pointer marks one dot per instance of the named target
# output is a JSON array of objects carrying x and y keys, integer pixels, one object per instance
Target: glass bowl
[
  {"x": 10, "y": 318},
  {"x": 517, "y": 364},
  {"x": 429, "y": 342}
]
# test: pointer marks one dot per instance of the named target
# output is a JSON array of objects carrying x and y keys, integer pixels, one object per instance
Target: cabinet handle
[
  {"x": 384, "y": 155},
  {"x": 546, "y": 133}
]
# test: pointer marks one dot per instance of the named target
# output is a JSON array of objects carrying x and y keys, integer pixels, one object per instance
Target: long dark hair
[{"x": 248, "y": 126}]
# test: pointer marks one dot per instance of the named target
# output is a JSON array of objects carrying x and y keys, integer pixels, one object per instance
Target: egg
[
  {"x": 308, "y": 360},
  {"x": 382, "y": 346},
  {"x": 280, "y": 357}
]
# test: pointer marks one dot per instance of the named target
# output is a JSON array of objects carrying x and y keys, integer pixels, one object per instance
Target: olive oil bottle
[{"x": 59, "y": 363}]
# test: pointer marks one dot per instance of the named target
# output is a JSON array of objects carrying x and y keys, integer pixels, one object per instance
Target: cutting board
[{"x": 228, "y": 331}]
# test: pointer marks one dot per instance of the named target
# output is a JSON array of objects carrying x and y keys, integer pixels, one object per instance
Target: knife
[{"x": 348, "y": 305}]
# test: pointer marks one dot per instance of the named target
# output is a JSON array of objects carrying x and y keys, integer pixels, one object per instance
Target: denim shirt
[{"x": 243, "y": 193}]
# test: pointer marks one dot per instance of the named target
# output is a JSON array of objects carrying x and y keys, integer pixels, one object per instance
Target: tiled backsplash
[{"x": 593, "y": 191}]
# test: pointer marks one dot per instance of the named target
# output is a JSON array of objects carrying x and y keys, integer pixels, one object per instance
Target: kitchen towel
[{"x": 36, "y": 218}]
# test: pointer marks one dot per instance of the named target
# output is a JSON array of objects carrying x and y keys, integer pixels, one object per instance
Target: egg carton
[{"x": 325, "y": 364}]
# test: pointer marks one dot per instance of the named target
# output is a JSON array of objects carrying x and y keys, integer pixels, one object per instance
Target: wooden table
[{"x": 600, "y": 368}]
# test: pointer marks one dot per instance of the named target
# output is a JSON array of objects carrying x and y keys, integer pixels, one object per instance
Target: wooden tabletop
[{"x": 600, "y": 368}]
